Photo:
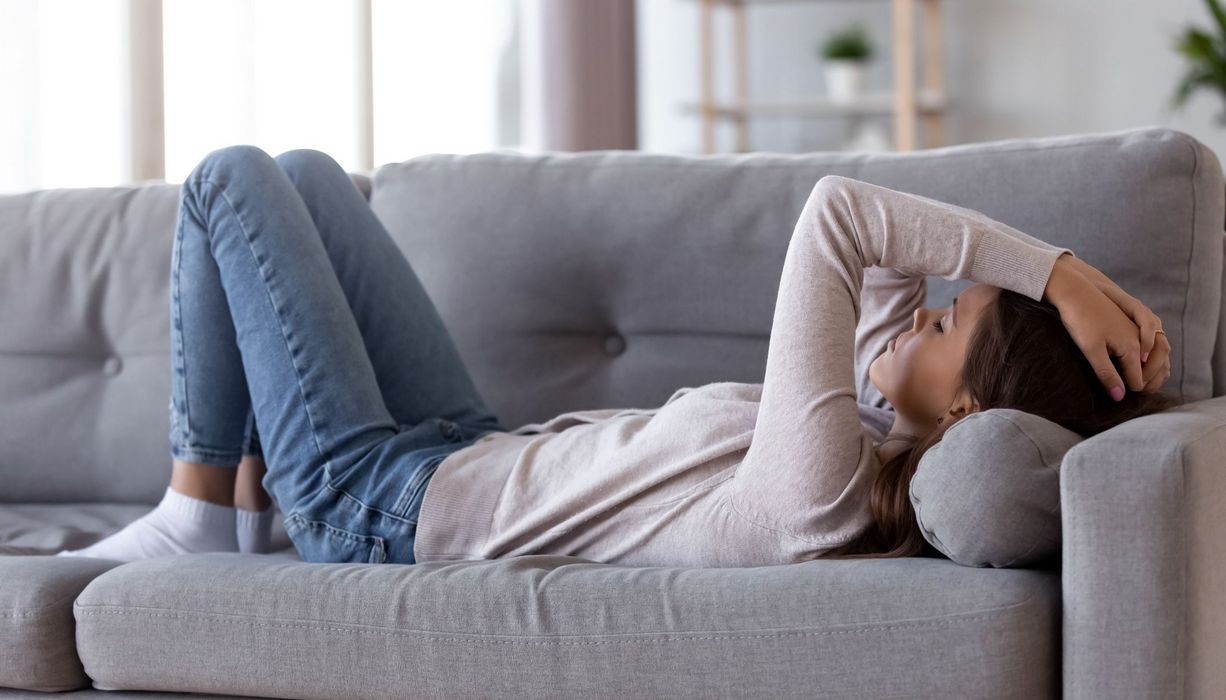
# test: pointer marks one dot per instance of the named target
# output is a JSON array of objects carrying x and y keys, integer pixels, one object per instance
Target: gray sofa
[{"x": 610, "y": 279}]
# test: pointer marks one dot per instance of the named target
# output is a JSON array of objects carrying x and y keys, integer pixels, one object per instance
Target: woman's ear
[{"x": 963, "y": 405}]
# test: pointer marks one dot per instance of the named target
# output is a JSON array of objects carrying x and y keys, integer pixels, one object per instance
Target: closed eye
[{"x": 937, "y": 325}]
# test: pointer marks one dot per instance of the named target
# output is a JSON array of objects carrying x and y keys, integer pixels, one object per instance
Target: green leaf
[
  {"x": 1196, "y": 45},
  {"x": 1194, "y": 78},
  {"x": 852, "y": 43},
  {"x": 1218, "y": 14}
]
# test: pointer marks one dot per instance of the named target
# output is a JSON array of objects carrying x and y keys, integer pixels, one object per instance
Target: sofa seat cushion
[
  {"x": 546, "y": 626},
  {"x": 38, "y": 649}
]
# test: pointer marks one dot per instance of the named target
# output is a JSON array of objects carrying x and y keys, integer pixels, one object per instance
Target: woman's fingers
[
  {"x": 1158, "y": 365},
  {"x": 1101, "y": 330},
  {"x": 1159, "y": 377},
  {"x": 1149, "y": 323},
  {"x": 1129, "y": 353},
  {"x": 1101, "y": 361},
  {"x": 1152, "y": 360},
  {"x": 1146, "y": 320}
]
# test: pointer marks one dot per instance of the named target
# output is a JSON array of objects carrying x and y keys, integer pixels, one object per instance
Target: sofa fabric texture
[
  {"x": 1145, "y": 556},
  {"x": 607, "y": 280},
  {"x": 38, "y": 648}
]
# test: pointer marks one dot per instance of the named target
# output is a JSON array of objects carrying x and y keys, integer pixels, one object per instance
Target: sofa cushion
[
  {"x": 551, "y": 626},
  {"x": 988, "y": 494},
  {"x": 38, "y": 649}
]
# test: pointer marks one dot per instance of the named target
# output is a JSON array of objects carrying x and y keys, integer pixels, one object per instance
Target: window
[
  {"x": 279, "y": 74},
  {"x": 367, "y": 81},
  {"x": 444, "y": 77},
  {"x": 63, "y": 106}
]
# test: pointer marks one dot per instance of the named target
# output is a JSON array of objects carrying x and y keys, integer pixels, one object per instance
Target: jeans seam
[
  {"x": 280, "y": 322},
  {"x": 400, "y": 505},
  {"x": 375, "y": 542},
  {"x": 367, "y": 506},
  {"x": 185, "y": 430}
]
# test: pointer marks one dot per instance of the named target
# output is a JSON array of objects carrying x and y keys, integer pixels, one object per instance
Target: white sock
[
  {"x": 254, "y": 530},
  {"x": 180, "y": 524}
]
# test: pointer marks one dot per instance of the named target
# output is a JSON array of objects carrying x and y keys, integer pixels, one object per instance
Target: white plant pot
[{"x": 844, "y": 80}]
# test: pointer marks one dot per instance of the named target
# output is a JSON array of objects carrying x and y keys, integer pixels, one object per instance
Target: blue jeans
[{"x": 292, "y": 309}]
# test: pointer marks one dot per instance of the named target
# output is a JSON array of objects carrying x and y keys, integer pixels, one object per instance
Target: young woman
[{"x": 293, "y": 310}]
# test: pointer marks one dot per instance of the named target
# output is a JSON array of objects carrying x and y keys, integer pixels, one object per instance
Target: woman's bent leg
[
  {"x": 312, "y": 387},
  {"x": 209, "y": 407},
  {"x": 421, "y": 376},
  {"x": 419, "y": 369},
  {"x": 208, "y": 390}
]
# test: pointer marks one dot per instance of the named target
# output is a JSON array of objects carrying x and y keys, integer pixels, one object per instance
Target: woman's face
[{"x": 921, "y": 374}]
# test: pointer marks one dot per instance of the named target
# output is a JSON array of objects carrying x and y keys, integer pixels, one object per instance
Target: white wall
[{"x": 1013, "y": 68}]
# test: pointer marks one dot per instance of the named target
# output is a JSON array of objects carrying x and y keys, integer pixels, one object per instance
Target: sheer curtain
[
  {"x": 62, "y": 114},
  {"x": 279, "y": 74},
  {"x": 96, "y": 93},
  {"x": 367, "y": 81}
]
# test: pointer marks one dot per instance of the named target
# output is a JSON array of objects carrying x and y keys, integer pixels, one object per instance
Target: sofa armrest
[{"x": 1144, "y": 557}]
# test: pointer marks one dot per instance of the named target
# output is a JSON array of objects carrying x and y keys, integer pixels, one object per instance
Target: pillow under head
[{"x": 988, "y": 494}]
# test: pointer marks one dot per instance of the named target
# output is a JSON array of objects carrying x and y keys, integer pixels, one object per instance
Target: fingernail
[
  {"x": 1117, "y": 393},
  {"x": 1145, "y": 357}
]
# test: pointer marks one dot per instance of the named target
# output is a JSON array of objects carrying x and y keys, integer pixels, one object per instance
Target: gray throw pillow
[{"x": 988, "y": 494}]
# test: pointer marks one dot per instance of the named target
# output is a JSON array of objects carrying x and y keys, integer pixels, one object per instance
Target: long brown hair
[{"x": 1022, "y": 357}]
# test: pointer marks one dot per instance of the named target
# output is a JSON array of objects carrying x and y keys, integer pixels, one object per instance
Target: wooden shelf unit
[{"x": 906, "y": 101}]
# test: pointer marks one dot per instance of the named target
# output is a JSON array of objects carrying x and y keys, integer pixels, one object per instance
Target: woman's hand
[
  {"x": 1104, "y": 320},
  {"x": 1155, "y": 355}
]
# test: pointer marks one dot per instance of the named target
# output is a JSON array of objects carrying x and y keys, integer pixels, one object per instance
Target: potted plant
[
  {"x": 846, "y": 54},
  {"x": 1206, "y": 54}
]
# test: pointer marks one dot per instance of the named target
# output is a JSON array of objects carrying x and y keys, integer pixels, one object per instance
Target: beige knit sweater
[{"x": 732, "y": 474}]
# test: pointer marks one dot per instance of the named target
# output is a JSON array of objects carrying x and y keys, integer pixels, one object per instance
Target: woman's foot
[
  {"x": 254, "y": 530},
  {"x": 180, "y": 524},
  {"x": 254, "y": 506}
]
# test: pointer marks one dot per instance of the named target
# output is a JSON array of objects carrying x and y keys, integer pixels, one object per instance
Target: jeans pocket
[{"x": 318, "y": 541}]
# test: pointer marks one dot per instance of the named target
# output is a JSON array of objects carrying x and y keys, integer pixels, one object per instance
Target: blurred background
[{"x": 109, "y": 92}]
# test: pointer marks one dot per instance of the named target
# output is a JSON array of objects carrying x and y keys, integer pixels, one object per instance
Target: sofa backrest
[
  {"x": 611, "y": 278},
  {"x": 571, "y": 280}
]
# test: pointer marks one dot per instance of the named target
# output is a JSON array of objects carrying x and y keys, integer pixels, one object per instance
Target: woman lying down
[{"x": 293, "y": 310}]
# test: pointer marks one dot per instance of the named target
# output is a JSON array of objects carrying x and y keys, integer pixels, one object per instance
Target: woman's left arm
[
  {"x": 805, "y": 473},
  {"x": 887, "y": 302}
]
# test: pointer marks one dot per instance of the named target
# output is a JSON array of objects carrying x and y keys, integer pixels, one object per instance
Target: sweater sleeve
[
  {"x": 805, "y": 472},
  {"x": 888, "y": 302}
]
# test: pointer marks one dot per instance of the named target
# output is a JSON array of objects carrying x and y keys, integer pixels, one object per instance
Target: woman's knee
[
  {"x": 237, "y": 154},
  {"x": 219, "y": 161},
  {"x": 306, "y": 160}
]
